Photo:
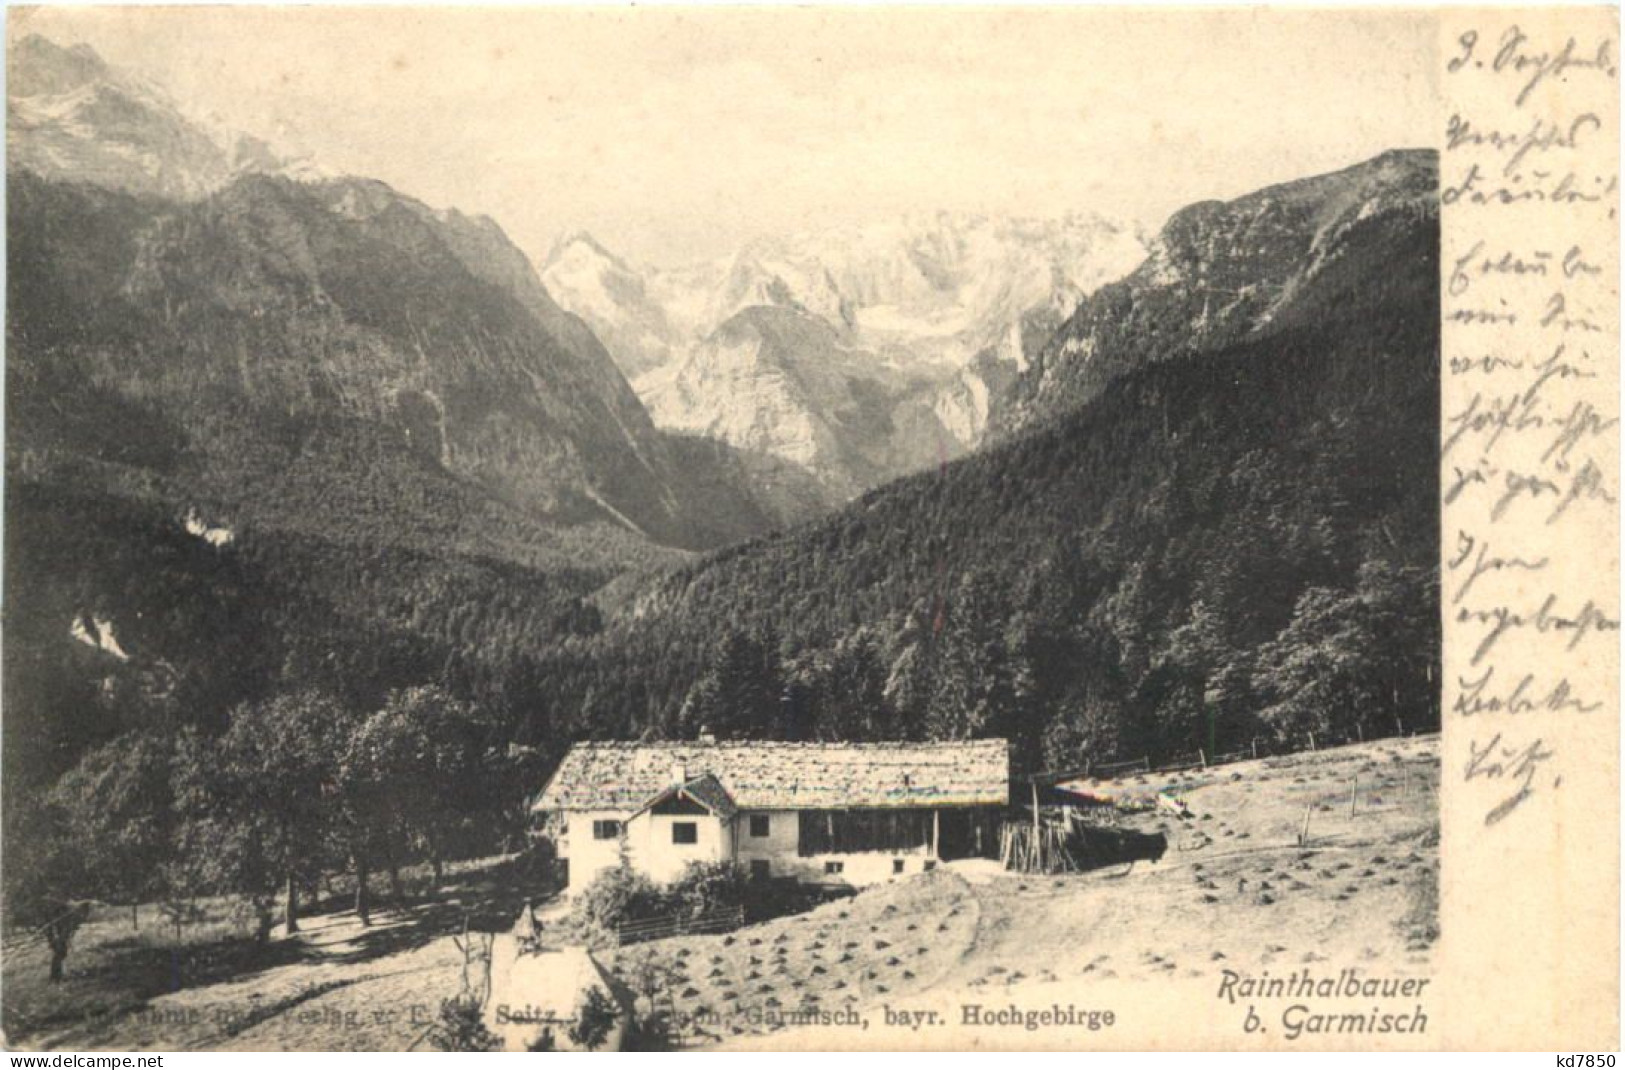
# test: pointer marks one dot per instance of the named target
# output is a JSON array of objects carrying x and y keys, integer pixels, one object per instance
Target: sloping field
[{"x": 1235, "y": 890}]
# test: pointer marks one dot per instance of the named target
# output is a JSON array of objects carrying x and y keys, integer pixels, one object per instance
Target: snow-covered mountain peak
[
  {"x": 612, "y": 297},
  {"x": 72, "y": 115},
  {"x": 856, "y": 352},
  {"x": 38, "y": 66},
  {"x": 581, "y": 248}
]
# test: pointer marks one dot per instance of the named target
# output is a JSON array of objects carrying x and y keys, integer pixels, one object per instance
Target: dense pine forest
[{"x": 1237, "y": 545}]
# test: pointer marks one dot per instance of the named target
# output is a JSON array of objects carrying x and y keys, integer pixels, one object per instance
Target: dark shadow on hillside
[
  {"x": 485, "y": 901},
  {"x": 122, "y": 975},
  {"x": 1098, "y": 848}
]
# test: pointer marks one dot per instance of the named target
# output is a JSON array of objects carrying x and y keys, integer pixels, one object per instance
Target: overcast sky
[{"x": 674, "y": 134}]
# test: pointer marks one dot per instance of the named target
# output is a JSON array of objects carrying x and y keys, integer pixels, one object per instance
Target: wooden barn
[{"x": 824, "y": 813}]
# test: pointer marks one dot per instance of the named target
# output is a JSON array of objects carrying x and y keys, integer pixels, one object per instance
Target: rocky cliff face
[
  {"x": 942, "y": 286},
  {"x": 775, "y": 382},
  {"x": 782, "y": 383},
  {"x": 237, "y": 302},
  {"x": 274, "y": 303},
  {"x": 1230, "y": 489},
  {"x": 1220, "y": 273},
  {"x": 70, "y": 115},
  {"x": 858, "y": 353},
  {"x": 614, "y": 300}
]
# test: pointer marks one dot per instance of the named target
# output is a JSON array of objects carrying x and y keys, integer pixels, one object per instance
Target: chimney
[{"x": 679, "y": 772}]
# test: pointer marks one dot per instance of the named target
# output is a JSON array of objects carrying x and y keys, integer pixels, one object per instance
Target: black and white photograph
[{"x": 687, "y": 528}]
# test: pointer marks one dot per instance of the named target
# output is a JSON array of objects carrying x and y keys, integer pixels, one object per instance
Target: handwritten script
[{"x": 1529, "y": 192}]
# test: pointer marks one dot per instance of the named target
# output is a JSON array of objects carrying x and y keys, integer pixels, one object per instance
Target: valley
[{"x": 335, "y": 516}]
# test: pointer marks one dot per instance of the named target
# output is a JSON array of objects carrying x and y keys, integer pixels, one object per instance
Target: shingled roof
[
  {"x": 706, "y": 790},
  {"x": 769, "y": 775}
]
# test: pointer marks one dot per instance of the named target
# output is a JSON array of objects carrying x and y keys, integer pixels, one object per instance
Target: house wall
[
  {"x": 587, "y": 856},
  {"x": 861, "y": 869},
  {"x": 778, "y": 848},
  {"x": 781, "y": 849},
  {"x": 653, "y": 852}
]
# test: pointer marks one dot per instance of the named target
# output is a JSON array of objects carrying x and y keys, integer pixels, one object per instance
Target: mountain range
[
  {"x": 821, "y": 364},
  {"x": 1220, "y": 273},
  {"x": 319, "y": 412},
  {"x": 69, "y": 113},
  {"x": 205, "y": 291},
  {"x": 270, "y": 429},
  {"x": 856, "y": 354},
  {"x": 1202, "y": 526}
]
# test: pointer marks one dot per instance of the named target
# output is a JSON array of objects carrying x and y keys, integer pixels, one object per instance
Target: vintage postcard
[{"x": 715, "y": 528}]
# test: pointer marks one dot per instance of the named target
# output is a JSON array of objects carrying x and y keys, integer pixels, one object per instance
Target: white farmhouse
[{"x": 822, "y": 813}]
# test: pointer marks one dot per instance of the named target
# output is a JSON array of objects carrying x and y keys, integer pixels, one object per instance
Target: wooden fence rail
[
  {"x": 1138, "y": 765},
  {"x": 1257, "y": 748},
  {"x": 716, "y": 921}
]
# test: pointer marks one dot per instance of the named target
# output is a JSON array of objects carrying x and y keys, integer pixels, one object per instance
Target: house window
[
  {"x": 685, "y": 832},
  {"x": 897, "y": 865},
  {"x": 760, "y": 826},
  {"x": 930, "y": 864},
  {"x": 760, "y": 869},
  {"x": 834, "y": 867},
  {"x": 606, "y": 830}
]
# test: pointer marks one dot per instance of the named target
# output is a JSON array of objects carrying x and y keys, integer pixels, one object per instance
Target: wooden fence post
[
  {"x": 1038, "y": 842},
  {"x": 1303, "y": 833},
  {"x": 1354, "y": 794}
]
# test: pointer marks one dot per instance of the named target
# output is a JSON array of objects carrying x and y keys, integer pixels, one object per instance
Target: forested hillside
[
  {"x": 1241, "y": 542},
  {"x": 238, "y": 323},
  {"x": 1219, "y": 273},
  {"x": 1164, "y": 564}
]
